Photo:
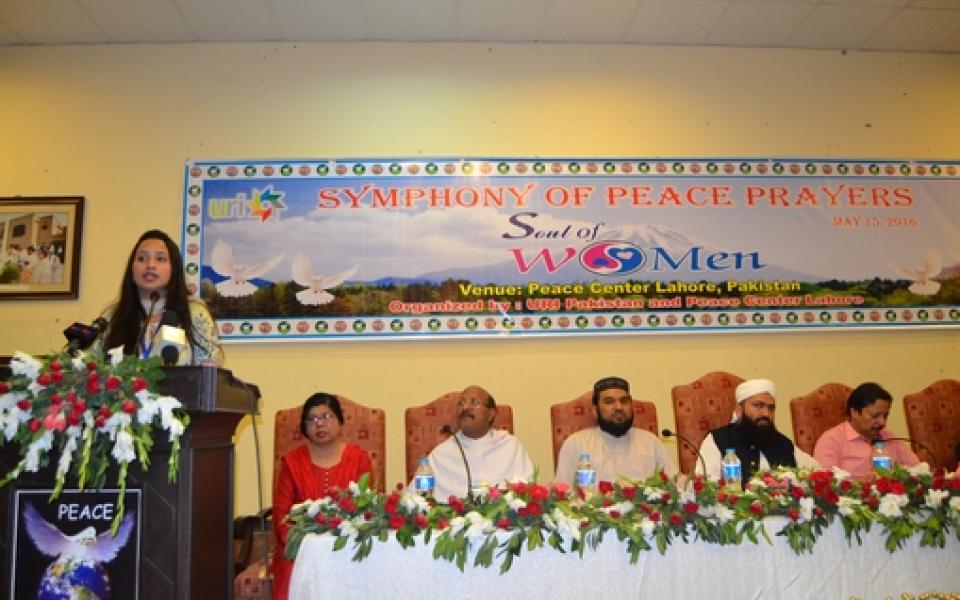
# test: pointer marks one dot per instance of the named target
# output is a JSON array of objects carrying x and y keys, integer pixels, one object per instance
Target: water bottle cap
[
  {"x": 585, "y": 456},
  {"x": 880, "y": 444},
  {"x": 731, "y": 451},
  {"x": 423, "y": 461}
]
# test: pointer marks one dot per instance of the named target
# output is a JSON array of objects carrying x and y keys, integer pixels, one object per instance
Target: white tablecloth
[{"x": 694, "y": 570}]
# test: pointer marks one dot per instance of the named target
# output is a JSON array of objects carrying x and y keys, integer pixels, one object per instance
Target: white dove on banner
[
  {"x": 318, "y": 284},
  {"x": 238, "y": 284},
  {"x": 922, "y": 277}
]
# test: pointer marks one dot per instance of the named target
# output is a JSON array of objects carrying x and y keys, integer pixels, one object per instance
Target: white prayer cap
[{"x": 752, "y": 387}]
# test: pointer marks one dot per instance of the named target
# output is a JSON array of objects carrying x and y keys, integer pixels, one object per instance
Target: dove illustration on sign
[
  {"x": 239, "y": 275},
  {"x": 317, "y": 285},
  {"x": 922, "y": 277},
  {"x": 265, "y": 202},
  {"x": 79, "y": 559}
]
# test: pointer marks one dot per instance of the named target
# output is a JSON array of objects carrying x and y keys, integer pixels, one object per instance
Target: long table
[{"x": 695, "y": 570}]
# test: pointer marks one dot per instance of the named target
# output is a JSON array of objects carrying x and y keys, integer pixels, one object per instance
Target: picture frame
[{"x": 40, "y": 242}]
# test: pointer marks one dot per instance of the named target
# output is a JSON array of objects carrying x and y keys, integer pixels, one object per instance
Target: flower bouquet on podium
[{"x": 90, "y": 411}]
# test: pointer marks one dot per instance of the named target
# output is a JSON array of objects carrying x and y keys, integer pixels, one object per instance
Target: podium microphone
[
  {"x": 466, "y": 465},
  {"x": 911, "y": 441},
  {"x": 172, "y": 338},
  {"x": 703, "y": 464},
  {"x": 81, "y": 337}
]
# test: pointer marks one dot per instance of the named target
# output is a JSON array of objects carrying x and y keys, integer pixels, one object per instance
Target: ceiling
[{"x": 877, "y": 25}]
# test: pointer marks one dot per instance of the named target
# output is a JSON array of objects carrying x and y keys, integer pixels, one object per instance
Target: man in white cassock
[
  {"x": 494, "y": 455},
  {"x": 752, "y": 435}
]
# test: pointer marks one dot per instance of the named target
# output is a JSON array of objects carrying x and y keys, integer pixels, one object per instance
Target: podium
[{"x": 187, "y": 526}]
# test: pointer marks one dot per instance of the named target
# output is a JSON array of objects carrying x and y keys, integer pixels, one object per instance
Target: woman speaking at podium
[{"x": 154, "y": 284}]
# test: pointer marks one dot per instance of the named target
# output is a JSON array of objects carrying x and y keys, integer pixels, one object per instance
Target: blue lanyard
[{"x": 145, "y": 350}]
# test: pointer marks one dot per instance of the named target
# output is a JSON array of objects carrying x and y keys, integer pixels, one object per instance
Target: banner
[{"x": 379, "y": 248}]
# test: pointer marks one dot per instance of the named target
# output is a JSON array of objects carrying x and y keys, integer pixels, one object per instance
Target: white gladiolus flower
[
  {"x": 117, "y": 421},
  {"x": 24, "y": 364},
  {"x": 647, "y": 526},
  {"x": 66, "y": 456},
  {"x": 478, "y": 524},
  {"x": 846, "y": 506},
  {"x": 935, "y": 498},
  {"x": 516, "y": 503},
  {"x": 806, "y": 508},
  {"x": 123, "y": 447},
  {"x": 116, "y": 355},
  {"x": 412, "y": 501},
  {"x": 40, "y": 445},
  {"x": 353, "y": 487},
  {"x": 347, "y": 528},
  {"x": 955, "y": 503},
  {"x": 176, "y": 429},
  {"x": 890, "y": 505},
  {"x": 651, "y": 494},
  {"x": 567, "y": 527},
  {"x": 839, "y": 474},
  {"x": 723, "y": 513},
  {"x": 456, "y": 524}
]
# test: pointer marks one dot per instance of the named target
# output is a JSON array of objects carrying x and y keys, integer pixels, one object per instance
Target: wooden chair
[
  {"x": 933, "y": 418},
  {"x": 363, "y": 426},
  {"x": 817, "y": 412},
  {"x": 700, "y": 406},
  {"x": 423, "y": 425},
  {"x": 572, "y": 416}
]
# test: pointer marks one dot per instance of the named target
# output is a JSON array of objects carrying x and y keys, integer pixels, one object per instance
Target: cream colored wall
[{"x": 117, "y": 123}]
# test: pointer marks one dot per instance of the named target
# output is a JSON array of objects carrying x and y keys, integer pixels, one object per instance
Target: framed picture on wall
[{"x": 40, "y": 247}]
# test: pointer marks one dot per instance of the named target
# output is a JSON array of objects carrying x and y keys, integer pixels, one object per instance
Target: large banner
[{"x": 379, "y": 248}]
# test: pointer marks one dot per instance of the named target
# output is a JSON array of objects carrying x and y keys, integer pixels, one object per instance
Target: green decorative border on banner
[{"x": 523, "y": 313}]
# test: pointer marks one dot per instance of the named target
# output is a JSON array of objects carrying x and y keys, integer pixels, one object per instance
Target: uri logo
[
  {"x": 266, "y": 203},
  {"x": 612, "y": 258}
]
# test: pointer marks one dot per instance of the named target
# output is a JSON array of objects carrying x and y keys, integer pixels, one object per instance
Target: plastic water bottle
[
  {"x": 586, "y": 476},
  {"x": 424, "y": 481},
  {"x": 881, "y": 458},
  {"x": 730, "y": 466}
]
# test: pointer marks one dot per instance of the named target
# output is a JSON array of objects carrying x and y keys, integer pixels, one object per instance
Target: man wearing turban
[{"x": 753, "y": 435}]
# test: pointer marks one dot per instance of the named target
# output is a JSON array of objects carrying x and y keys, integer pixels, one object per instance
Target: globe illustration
[{"x": 67, "y": 579}]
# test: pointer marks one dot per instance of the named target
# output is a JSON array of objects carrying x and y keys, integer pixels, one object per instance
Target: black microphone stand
[{"x": 703, "y": 463}]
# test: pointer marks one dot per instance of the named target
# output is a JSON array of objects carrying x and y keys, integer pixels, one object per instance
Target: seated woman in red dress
[{"x": 310, "y": 471}]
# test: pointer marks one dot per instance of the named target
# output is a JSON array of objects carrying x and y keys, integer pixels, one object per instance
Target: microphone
[
  {"x": 923, "y": 446},
  {"x": 81, "y": 337},
  {"x": 154, "y": 298},
  {"x": 703, "y": 464},
  {"x": 466, "y": 465},
  {"x": 173, "y": 339}
]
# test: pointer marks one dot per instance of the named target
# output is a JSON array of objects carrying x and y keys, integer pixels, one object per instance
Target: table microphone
[
  {"x": 173, "y": 339},
  {"x": 703, "y": 464},
  {"x": 81, "y": 337},
  {"x": 466, "y": 465},
  {"x": 932, "y": 454}
]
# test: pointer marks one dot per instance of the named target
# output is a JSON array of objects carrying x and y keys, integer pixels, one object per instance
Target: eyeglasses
[
  {"x": 317, "y": 419},
  {"x": 472, "y": 403}
]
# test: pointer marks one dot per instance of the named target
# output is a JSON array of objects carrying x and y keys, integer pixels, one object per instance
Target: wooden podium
[{"x": 187, "y": 526}]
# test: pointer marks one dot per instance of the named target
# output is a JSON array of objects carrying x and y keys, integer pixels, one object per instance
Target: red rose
[
  {"x": 57, "y": 377},
  {"x": 897, "y": 487},
  {"x": 79, "y": 406},
  {"x": 883, "y": 485},
  {"x": 846, "y": 485},
  {"x": 831, "y": 497},
  {"x": 4, "y": 387},
  {"x": 523, "y": 512},
  {"x": 629, "y": 492},
  {"x": 391, "y": 503},
  {"x": 442, "y": 524},
  {"x": 99, "y": 422},
  {"x": 71, "y": 396},
  {"x": 456, "y": 504},
  {"x": 519, "y": 487},
  {"x": 607, "y": 502},
  {"x": 92, "y": 376},
  {"x": 818, "y": 511},
  {"x": 756, "y": 508},
  {"x": 104, "y": 411},
  {"x": 397, "y": 521},
  {"x": 503, "y": 523},
  {"x": 690, "y": 507},
  {"x": 954, "y": 484},
  {"x": 91, "y": 365},
  {"x": 24, "y": 405},
  {"x": 93, "y": 387},
  {"x": 139, "y": 384},
  {"x": 113, "y": 383},
  {"x": 793, "y": 514},
  {"x": 44, "y": 379},
  {"x": 655, "y": 517},
  {"x": 539, "y": 492},
  {"x": 129, "y": 407},
  {"x": 55, "y": 364},
  {"x": 421, "y": 521},
  {"x": 614, "y": 514},
  {"x": 698, "y": 484},
  {"x": 676, "y": 520},
  {"x": 35, "y": 425},
  {"x": 721, "y": 496},
  {"x": 797, "y": 492},
  {"x": 347, "y": 504},
  {"x": 534, "y": 509},
  {"x": 733, "y": 499},
  {"x": 873, "y": 502},
  {"x": 55, "y": 398},
  {"x": 320, "y": 519},
  {"x": 605, "y": 487},
  {"x": 73, "y": 419},
  {"x": 334, "y": 522}
]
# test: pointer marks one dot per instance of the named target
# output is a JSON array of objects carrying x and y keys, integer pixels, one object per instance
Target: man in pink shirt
[{"x": 849, "y": 445}]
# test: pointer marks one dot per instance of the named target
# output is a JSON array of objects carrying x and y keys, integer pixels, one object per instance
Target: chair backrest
[
  {"x": 698, "y": 407},
  {"x": 933, "y": 418},
  {"x": 817, "y": 412},
  {"x": 363, "y": 426},
  {"x": 574, "y": 415},
  {"x": 423, "y": 424}
]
